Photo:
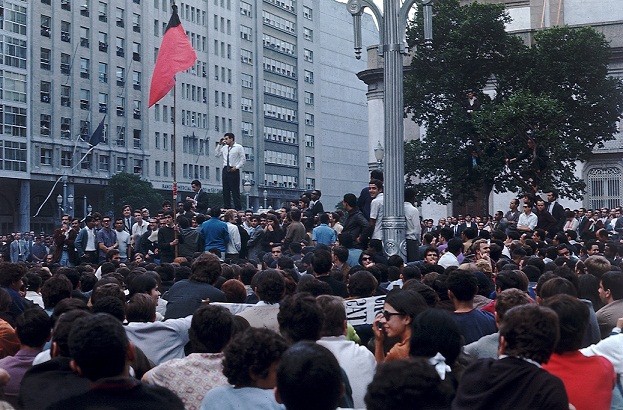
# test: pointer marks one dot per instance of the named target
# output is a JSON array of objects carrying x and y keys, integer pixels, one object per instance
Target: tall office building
[{"x": 280, "y": 74}]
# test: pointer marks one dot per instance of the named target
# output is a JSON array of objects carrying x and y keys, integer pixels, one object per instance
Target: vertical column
[
  {"x": 394, "y": 223},
  {"x": 23, "y": 218}
]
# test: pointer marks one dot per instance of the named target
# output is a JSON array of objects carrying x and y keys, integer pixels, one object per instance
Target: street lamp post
[
  {"x": 379, "y": 153},
  {"x": 246, "y": 187},
  {"x": 84, "y": 205},
  {"x": 89, "y": 209},
  {"x": 265, "y": 197},
  {"x": 59, "y": 201},
  {"x": 392, "y": 23},
  {"x": 70, "y": 205}
]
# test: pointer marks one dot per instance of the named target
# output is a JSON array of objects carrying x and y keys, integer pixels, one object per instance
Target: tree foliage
[
  {"x": 125, "y": 188},
  {"x": 557, "y": 90}
]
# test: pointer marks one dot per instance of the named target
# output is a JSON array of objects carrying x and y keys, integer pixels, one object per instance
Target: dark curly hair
[
  {"x": 407, "y": 384},
  {"x": 10, "y": 273},
  {"x": 271, "y": 285},
  {"x": 206, "y": 269},
  {"x": 300, "y": 318},
  {"x": 252, "y": 352}
]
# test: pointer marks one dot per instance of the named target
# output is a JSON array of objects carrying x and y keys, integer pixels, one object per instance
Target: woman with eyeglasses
[
  {"x": 366, "y": 259},
  {"x": 394, "y": 323}
]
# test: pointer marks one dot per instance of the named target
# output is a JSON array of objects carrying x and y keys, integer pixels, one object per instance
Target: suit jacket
[
  {"x": 15, "y": 248},
  {"x": 317, "y": 208},
  {"x": 202, "y": 201},
  {"x": 558, "y": 212}
]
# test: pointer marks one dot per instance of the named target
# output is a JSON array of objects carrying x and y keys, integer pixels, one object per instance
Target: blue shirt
[
  {"x": 324, "y": 234},
  {"x": 215, "y": 234}
]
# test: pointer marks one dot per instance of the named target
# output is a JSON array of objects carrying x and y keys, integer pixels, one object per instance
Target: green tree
[
  {"x": 124, "y": 188},
  {"x": 557, "y": 91}
]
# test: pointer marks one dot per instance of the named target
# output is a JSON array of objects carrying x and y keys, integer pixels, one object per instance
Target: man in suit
[
  {"x": 200, "y": 200},
  {"x": 554, "y": 208},
  {"x": 128, "y": 220},
  {"x": 18, "y": 248},
  {"x": 315, "y": 204}
]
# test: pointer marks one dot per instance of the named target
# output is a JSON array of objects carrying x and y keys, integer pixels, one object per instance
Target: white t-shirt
[{"x": 376, "y": 213}]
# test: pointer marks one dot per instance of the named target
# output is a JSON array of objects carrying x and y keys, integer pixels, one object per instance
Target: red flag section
[{"x": 176, "y": 54}]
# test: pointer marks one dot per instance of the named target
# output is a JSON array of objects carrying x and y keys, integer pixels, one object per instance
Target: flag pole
[{"x": 174, "y": 164}]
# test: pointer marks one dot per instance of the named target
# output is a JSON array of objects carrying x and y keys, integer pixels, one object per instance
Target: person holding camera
[{"x": 233, "y": 159}]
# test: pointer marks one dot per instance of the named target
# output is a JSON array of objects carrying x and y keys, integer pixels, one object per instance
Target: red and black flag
[{"x": 175, "y": 55}]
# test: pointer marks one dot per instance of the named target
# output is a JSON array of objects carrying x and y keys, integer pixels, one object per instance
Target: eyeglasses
[
  {"x": 388, "y": 315},
  {"x": 526, "y": 206},
  {"x": 366, "y": 258}
]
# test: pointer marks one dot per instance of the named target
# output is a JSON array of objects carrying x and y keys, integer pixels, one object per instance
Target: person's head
[
  {"x": 529, "y": 331},
  {"x": 229, "y": 138},
  {"x": 33, "y": 327},
  {"x": 375, "y": 186},
  {"x": 234, "y": 291},
  {"x": 362, "y": 284},
  {"x": 462, "y": 285},
  {"x": 141, "y": 308},
  {"x": 99, "y": 347},
  {"x": 508, "y": 299},
  {"x": 573, "y": 318},
  {"x": 210, "y": 329},
  {"x": 300, "y": 318},
  {"x": 144, "y": 283},
  {"x": 334, "y": 323},
  {"x": 309, "y": 378},
  {"x": 251, "y": 358},
  {"x": 11, "y": 275},
  {"x": 597, "y": 265},
  {"x": 295, "y": 215},
  {"x": 349, "y": 201},
  {"x": 206, "y": 268},
  {"x": 195, "y": 185},
  {"x": 431, "y": 255},
  {"x": 399, "y": 310},
  {"x": 62, "y": 328},
  {"x": 407, "y": 384},
  {"x": 435, "y": 331},
  {"x": 275, "y": 252},
  {"x": 55, "y": 289},
  {"x": 321, "y": 261},
  {"x": 508, "y": 279},
  {"x": 455, "y": 246},
  {"x": 271, "y": 286},
  {"x": 611, "y": 286}
]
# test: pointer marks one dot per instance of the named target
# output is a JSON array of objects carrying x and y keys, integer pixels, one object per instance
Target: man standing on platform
[{"x": 233, "y": 160}]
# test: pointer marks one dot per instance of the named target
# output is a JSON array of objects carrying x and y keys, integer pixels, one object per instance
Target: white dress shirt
[{"x": 235, "y": 154}]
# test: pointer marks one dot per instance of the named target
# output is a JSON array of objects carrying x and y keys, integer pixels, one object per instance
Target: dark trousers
[
  {"x": 231, "y": 188},
  {"x": 412, "y": 250}
]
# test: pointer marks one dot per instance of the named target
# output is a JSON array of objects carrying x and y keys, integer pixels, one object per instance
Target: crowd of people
[{"x": 198, "y": 307}]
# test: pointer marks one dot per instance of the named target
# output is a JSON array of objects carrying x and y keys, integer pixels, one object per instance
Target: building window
[
  {"x": 103, "y": 72},
  {"x": 104, "y": 163},
  {"x": 84, "y": 37},
  {"x": 309, "y": 76},
  {"x": 46, "y": 87},
  {"x": 308, "y": 34},
  {"x": 136, "y": 80},
  {"x": 604, "y": 187},
  {"x": 121, "y": 136},
  {"x": 308, "y": 55},
  {"x": 86, "y": 162},
  {"x": 309, "y": 98},
  {"x": 121, "y": 164},
  {"x": 85, "y": 68},
  {"x": 14, "y": 52},
  {"x": 65, "y": 96},
  {"x": 309, "y": 140},
  {"x": 247, "y": 129},
  {"x": 309, "y": 119},
  {"x": 102, "y": 100},
  {"x": 65, "y": 64},
  {"x": 246, "y": 57},
  {"x": 14, "y": 18},
  {"x": 136, "y": 139},
  {"x": 310, "y": 162},
  {"x": 84, "y": 9},
  {"x": 46, "y": 54},
  {"x": 120, "y": 45},
  {"x": 119, "y": 17},
  {"x": 308, "y": 13},
  {"x": 85, "y": 99},
  {"x": 136, "y": 52},
  {"x": 45, "y": 123},
  {"x": 65, "y": 127},
  {"x": 103, "y": 41},
  {"x": 246, "y": 33},
  {"x": 46, "y": 156},
  {"x": 66, "y": 159},
  {"x": 136, "y": 109},
  {"x": 246, "y": 9},
  {"x": 120, "y": 106},
  {"x": 138, "y": 166},
  {"x": 66, "y": 31},
  {"x": 246, "y": 80},
  {"x": 157, "y": 168},
  {"x": 136, "y": 23},
  {"x": 85, "y": 129},
  {"x": 14, "y": 154},
  {"x": 102, "y": 13},
  {"x": 46, "y": 24},
  {"x": 120, "y": 74},
  {"x": 247, "y": 104},
  {"x": 310, "y": 183}
]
